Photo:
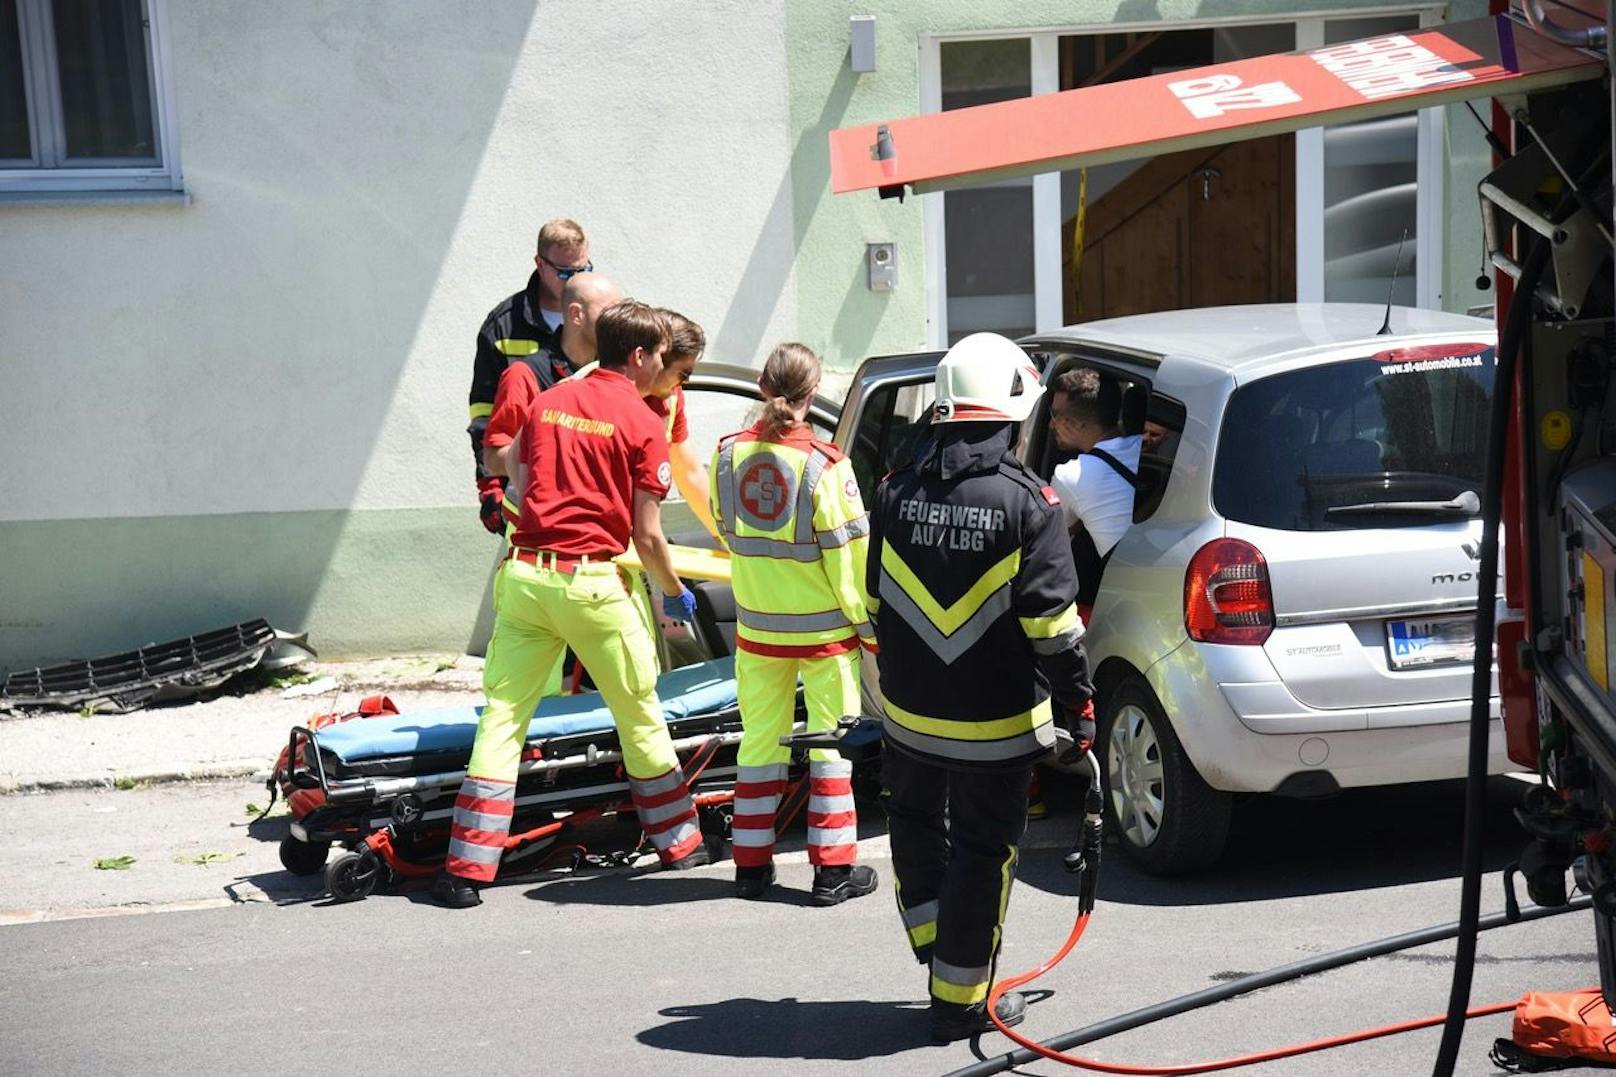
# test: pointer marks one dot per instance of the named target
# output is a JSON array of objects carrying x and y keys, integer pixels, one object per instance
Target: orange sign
[{"x": 1222, "y": 103}]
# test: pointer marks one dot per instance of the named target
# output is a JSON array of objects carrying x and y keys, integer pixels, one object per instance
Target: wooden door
[{"x": 1200, "y": 228}]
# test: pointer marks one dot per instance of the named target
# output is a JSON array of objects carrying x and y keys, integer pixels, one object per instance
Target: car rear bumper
[{"x": 1253, "y": 737}]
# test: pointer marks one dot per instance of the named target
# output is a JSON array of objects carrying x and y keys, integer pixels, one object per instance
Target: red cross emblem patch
[{"x": 766, "y": 491}]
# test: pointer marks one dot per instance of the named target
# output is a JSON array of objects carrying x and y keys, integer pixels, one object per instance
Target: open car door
[{"x": 1221, "y": 103}]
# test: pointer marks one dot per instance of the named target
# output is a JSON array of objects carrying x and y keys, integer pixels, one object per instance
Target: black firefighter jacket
[{"x": 972, "y": 586}]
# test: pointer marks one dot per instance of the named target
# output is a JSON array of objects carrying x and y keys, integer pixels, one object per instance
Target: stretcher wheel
[
  {"x": 304, "y": 857},
  {"x": 352, "y": 876}
]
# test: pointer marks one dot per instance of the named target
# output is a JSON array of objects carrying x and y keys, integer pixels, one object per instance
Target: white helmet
[{"x": 986, "y": 378}]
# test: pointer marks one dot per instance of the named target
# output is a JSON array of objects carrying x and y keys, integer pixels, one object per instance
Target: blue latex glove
[{"x": 680, "y": 607}]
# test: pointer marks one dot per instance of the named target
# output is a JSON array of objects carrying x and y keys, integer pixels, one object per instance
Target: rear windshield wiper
[{"x": 1465, "y": 504}]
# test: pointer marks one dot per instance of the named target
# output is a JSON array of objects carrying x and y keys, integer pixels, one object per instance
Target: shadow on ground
[
  {"x": 1278, "y": 848},
  {"x": 789, "y": 1028}
]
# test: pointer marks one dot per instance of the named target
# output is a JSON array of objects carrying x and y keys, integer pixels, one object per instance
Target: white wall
[{"x": 367, "y": 180}]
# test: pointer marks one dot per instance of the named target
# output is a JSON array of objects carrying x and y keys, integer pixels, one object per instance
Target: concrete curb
[{"x": 256, "y": 769}]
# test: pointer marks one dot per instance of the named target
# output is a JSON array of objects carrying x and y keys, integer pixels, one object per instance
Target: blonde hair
[
  {"x": 561, "y": 232},
  {"x": 790, "y": 375}
]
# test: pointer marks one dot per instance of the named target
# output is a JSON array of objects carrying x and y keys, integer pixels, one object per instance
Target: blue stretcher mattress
[{"x": 688, "y": 692}]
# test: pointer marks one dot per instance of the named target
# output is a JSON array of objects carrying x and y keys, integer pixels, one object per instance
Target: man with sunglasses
[{"x": 521, "y": 328}]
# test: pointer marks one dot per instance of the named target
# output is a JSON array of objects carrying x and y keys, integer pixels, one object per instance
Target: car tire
[{"x": 1167, "y": 820}]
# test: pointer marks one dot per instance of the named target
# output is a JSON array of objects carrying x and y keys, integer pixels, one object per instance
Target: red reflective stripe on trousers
[
  {"x": 669, "y": 824},
  {"x": 833, "y": 820},
  {"x": 489, "y": 839},
  {"x": 682, "y": 849},
  {"x": 485, "y": 805},
  {"x": 672, "y": 796},
  {"x": 830, "y": 787},
  {"x": 470, "y": 869}
]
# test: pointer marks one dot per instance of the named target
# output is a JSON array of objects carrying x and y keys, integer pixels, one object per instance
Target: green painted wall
[
  {"x": 838, "y": 315},
  {"x": 360, "y": 583}
]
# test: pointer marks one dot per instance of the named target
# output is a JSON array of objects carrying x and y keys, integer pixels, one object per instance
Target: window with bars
[{"x": 82, "y": 103}]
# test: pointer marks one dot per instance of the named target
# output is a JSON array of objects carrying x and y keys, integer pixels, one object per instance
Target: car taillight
[{"x": 1226, "y": 594}]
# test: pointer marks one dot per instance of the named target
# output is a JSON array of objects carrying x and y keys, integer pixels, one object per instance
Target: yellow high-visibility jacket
[{"x": 790, "y": 512}]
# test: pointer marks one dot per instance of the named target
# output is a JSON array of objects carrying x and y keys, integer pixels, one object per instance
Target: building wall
[{"x": 255, "y": 404}]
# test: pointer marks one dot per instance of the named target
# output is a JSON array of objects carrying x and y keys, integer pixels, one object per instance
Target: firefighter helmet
[{"x": 986, "y": 378}]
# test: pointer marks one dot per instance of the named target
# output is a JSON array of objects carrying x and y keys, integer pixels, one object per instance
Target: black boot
[
  {"x": 451, "y": 891},
  {"x": 951, "y": 1021},
  {"x": 751, "y": 884},
  {"x": 834, "y": 885}
]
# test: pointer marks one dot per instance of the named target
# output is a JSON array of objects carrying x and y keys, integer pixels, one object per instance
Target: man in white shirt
[{"x": 1097, "y": 486}]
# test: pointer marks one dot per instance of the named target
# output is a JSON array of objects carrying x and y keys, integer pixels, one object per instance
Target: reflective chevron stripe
[{"x": 948, "y": 631}]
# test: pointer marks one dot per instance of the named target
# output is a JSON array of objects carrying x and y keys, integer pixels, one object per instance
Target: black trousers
[{"x": 954, "y": 835}]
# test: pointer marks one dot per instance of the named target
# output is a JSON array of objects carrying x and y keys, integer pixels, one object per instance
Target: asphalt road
[{"x": 630, "y": 973}]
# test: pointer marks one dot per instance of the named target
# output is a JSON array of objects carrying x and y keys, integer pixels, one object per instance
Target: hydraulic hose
[
  {"x": 1161, "y": 1011},
  {"x": 1516, "y": 324}
]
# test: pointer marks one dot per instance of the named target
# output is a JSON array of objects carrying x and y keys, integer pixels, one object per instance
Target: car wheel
[{"x": 1166, "y": 818}]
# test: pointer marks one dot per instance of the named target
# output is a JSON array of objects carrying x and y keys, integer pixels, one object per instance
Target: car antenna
[{"x": 1391, "y": 291}]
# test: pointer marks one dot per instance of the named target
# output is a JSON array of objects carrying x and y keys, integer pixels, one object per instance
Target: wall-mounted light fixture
[{"x": 862, "y": 32}]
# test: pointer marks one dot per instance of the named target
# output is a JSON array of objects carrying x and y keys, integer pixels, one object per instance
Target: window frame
[
  {"x": 42, "y": 87},
  {"x": 1430, "y": 239}
]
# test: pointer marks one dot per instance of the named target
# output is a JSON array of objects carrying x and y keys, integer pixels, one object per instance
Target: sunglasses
[{"x": 568, "y": 272}]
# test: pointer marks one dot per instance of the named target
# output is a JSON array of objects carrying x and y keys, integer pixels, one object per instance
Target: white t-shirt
[
  {"x": 552, "y": 318},
  {"x": 1092, "y": 492}
]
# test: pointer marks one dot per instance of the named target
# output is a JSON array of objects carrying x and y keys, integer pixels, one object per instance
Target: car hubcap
[{"x": 1134, "y": 766}]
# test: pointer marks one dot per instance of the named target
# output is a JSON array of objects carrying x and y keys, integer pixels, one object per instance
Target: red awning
[{"x": 1204, "y": 106}]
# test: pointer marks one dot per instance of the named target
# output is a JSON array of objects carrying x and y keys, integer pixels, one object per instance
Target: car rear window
[{"x": 1403, "y": 425}]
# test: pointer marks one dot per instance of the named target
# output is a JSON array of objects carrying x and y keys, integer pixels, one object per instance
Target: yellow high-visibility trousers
[
  {"x": 540, "y": 611},
  {"x": 767, "y": 692}
]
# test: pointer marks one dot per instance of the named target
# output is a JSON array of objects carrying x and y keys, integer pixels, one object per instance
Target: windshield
[{"x": 1372, "y": 438}]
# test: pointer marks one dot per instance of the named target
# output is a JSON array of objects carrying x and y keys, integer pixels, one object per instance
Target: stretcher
[{"x": 382, "y": 784}]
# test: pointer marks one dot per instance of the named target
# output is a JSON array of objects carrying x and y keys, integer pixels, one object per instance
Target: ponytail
[{"x": 790, "y": 375}]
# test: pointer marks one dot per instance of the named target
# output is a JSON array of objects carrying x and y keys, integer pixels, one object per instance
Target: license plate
[{"x": 1434, "y": 641}]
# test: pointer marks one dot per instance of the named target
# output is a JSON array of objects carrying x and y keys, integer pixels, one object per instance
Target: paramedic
[
  {"x": 523, "y": 325},
  {"x": 1096, "y": 487},
  {"x": 666, "y": 399},
  {"x": 974, "y": 594},
  {"x": 598, "y": 469},
  {"x": 582, "y": 300},
  {"x": 789, "y": 511}
]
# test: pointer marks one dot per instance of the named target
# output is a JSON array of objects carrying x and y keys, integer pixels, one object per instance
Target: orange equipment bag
[
  {"x": 1553, "y": 1031},
  {"x": 303, "y": 801}
]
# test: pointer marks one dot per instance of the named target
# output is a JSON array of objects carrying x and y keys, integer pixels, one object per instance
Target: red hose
[{"x": 1195, "y": 1067}]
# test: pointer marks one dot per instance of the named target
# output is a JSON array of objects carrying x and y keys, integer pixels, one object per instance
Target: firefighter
[
  {"x": 789, "y": 511},
  {"x": 522, "y": 327},
  {"x": 973, "y": 589},
  {"x": 597, "y": 463}
]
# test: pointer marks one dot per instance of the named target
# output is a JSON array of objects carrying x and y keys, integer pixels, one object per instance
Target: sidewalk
[{"x": 229, "y": 736}]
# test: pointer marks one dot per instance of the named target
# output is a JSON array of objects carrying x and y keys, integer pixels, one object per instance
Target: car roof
[{"x": 1237, "y": 338}]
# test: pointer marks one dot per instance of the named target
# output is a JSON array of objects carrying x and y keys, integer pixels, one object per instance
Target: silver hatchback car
[{"x": 1293, "y": 610}]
